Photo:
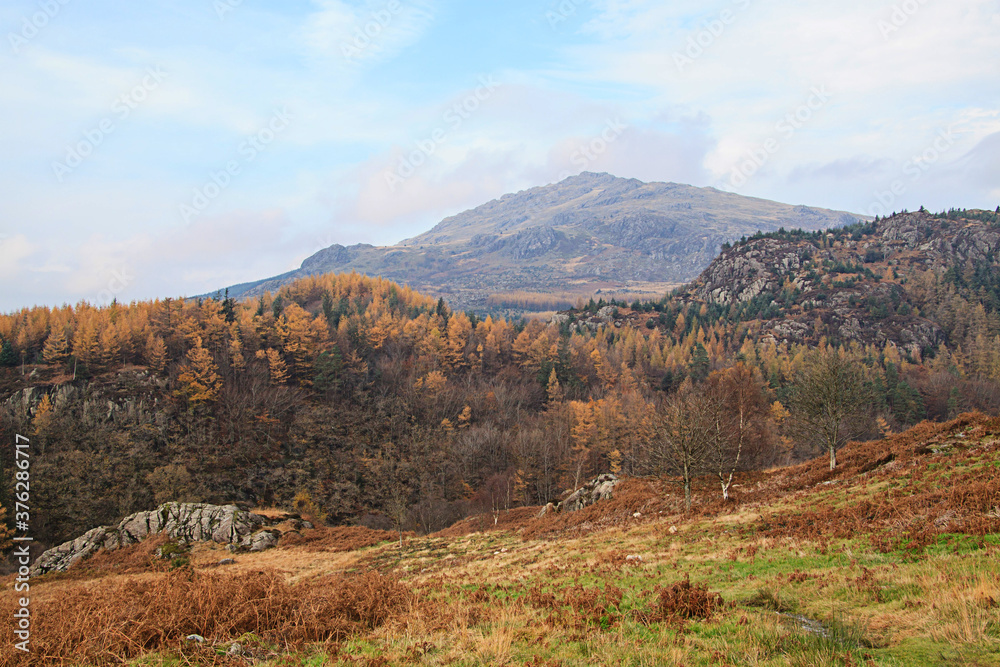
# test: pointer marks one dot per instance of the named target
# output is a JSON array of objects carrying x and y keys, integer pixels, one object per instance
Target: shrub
[{"x": 684, "y": 600}]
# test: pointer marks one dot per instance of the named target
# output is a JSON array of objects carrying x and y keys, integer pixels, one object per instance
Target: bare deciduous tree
[
  {"x": 683, "y": 437},
  {"x": 831, "y": 402},
  {"x": 739, "y": 413}
]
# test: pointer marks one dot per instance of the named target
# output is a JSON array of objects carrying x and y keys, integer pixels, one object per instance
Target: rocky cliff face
[
  {"x": 589, "y": 232},
  {"x": 852, "y": 285}
]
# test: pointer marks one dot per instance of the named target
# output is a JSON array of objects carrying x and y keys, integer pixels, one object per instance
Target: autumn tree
[
  {"x": 276, "y": 367},
  {"x": 302, "y": 335},
  {"x": 199, "y": 381},
  {"x": 109, "y": 345},
  {"x": 156, "y": 353},
  {"x": 831, "y": 402},
  {"x": 85, "y": 344},
  {"x": 740, "y": 415},
  {"x": 459, "y": 332},
  {"x": 42, "y": 420},
  {"x": 391, "y": 477},
  {"x": 56, "y": 349},
  {"x": 554, "y": 390},
  {"x": 583, "y": 434},
  {"x": 236, "y": 358}
]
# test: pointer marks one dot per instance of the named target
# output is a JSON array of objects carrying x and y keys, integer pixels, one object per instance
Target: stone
[
  {"x": 601, "y": 488},
  {"x": 549, "y": 507},
  {"x": 607, "y": 313},
  {"x": 183, "y": 522},
  {"x": 227, "y": 561},
  {"x": 263, "y": 540},
  {"x": 196, "y": 638}
]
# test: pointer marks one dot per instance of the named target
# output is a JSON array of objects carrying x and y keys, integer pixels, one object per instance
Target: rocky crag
[
  {"x": 601, "y": 488},
  {"x": 853, "y": 285}
]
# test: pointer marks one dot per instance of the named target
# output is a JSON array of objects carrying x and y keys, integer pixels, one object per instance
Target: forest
[{"x": 375, "y": 405}]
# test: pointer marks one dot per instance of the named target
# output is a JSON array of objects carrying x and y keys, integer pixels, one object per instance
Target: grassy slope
[{"x": 891, "y": 560}]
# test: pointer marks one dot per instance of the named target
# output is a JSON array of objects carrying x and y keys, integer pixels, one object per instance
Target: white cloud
[
  {"x": 13, "y": 250},
  {"x": 346, "y": 35}
]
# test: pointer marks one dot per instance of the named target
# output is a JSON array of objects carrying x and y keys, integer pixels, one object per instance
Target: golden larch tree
[
  {"x": 276, "y": 366},
  {"x": 199, "y": 381},
  {"x": 156, "y": 353},
  {"x": 56, "y": 350}
]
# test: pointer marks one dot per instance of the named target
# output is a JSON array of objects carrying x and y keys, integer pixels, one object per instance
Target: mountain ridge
[{"x": 588, "y": 233}]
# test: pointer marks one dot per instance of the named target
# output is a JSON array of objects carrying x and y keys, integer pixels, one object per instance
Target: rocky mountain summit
[
  {"x": 854, "y": 284},
  {"x": 589, "y": 232}
]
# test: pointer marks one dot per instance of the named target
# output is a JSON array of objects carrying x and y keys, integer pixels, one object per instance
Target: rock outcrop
[
  {"x": 601, "y": 488},
  {"x": 184, "y": 522}
]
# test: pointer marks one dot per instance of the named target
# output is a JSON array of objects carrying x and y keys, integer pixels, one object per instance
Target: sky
[{"x": 173, "y": 147}]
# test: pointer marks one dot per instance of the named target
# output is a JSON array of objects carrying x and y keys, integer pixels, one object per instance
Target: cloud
[
  {"x": 747, "y": 73},
  {"x": 415, "y": 184},
  {"x": 350, "y": 34},
  {"x": 844, "y": 169},
  {"x": 360, "y": 110},
  {"x": 981, "y": 165},
  {"x": 13, "y": 251},
  {"x": 181, "y": 261}
]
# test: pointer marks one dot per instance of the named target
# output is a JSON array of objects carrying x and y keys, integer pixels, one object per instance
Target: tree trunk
[
  {"x": 687, "y": 489},
  {"x": 833, "y": 457}
]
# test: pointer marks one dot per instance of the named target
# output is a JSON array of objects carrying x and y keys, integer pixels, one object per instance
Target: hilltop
[
  {"x": 913, "y": 281},
  {"x": 863, "y": 283},
  {"x": 558, "y": 242}
]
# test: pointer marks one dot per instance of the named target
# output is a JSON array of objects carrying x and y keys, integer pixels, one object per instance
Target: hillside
[
  {"x": 558, "y": 242},
  {"x": 386, "y": 408},
  {"x": 890, "y": 560}
]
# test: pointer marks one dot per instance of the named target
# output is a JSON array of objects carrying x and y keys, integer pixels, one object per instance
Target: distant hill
[{"x": 546, "y": 246}]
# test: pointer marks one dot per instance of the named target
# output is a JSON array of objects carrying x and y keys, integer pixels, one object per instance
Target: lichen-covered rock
[
  {"x": 595, "y": 491},
  {"x": 184, "y": 522}
]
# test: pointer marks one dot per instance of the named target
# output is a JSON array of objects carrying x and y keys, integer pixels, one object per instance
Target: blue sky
[{"x": 171, "y": 147}]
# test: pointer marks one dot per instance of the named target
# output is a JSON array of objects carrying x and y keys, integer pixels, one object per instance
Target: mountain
[{"x": 588, "y": 233}]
